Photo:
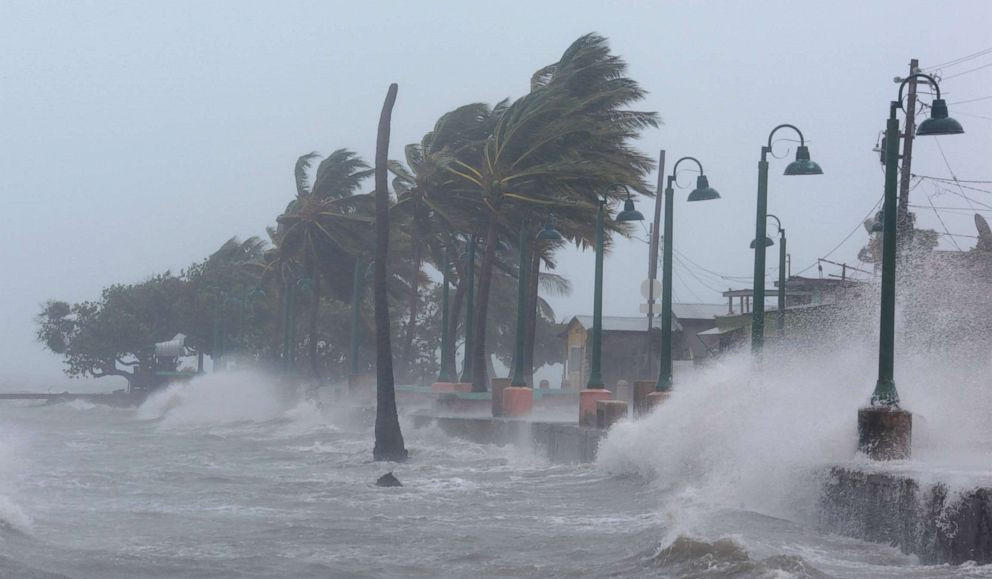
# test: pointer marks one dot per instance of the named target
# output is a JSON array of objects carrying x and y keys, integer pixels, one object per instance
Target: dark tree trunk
[
  {"x": 388, "y": 438},
  {"x": 530, "y": 327},
  {"x": 480, "y": 375},
  {"x": 412, "y": 305},
  {"x": 314, "y": 314}
]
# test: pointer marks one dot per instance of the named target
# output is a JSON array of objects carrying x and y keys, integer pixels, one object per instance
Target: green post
[
  {"x": 443, "y": 375},
  {"x": 885, "y": 388},
  {"x": 469, "y": 310},
  {"x": 518, "y": 353},
  {"x": 356, "y": 301},
  {"x": 664, "y": 382},
  {"x": 781, "y": 284},
  {"x": 595, "y": 371},
  {"x": 758, "y": 306}
]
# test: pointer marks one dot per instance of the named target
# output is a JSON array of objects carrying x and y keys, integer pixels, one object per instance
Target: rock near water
[{"x": 388, "y": 480}]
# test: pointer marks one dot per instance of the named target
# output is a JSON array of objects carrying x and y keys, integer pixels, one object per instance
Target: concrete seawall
[
  {"x": 561, "y": 442},
  {"x": 928, "y": 520}
]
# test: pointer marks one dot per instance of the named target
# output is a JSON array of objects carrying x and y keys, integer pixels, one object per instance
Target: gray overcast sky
[{"x": 137, "y": 137}]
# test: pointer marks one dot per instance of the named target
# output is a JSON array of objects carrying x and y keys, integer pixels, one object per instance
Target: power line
[
  {"x": 945, "y": 208},
  {"x": 975, "y": 100},
  {"x": 961, "y": 59},
  {"x": 942, "y": 224},
  {"x": 967, "y": 71},
  {"x": 951, "y": 179},
  {"x": 848, "y": 236}
]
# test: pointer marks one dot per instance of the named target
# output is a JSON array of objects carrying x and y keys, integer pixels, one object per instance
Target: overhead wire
[
  {"x": 959, "y": 60},
  {"x": 848, "y": 236},
  {"x": 970, "y": 70}
]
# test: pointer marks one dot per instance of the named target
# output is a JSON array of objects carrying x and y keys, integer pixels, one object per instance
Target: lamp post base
[
  {"x": 655, "y": 398},
  {"x": 885, "y": 433},
  {"x": 497, "y": 387},
  {"x": 640, "y": 399},
  {"x": 609, "y": 412},
  {"x": 587, "y": 404},
  {"x": 518, "y": 401}
]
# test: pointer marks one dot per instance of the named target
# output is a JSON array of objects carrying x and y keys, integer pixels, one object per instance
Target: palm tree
[
  {"x": 388, "y": 437},
  {"x": 324, "y": 226},
  {"x": 423, "y": 189},
  {"x": 564, "y": 144}
]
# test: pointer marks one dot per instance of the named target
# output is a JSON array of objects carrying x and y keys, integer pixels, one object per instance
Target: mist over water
[{"x": 234, "y": 474}]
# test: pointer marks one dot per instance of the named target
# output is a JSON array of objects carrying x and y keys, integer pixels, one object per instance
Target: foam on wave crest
[{"x": 218, "y": 398}]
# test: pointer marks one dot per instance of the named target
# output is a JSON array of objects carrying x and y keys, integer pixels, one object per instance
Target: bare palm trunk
[
  {"x": 530, "y": 327},
  {"x": 388, "y": 438},
  {"x": 480, "y": 378}
]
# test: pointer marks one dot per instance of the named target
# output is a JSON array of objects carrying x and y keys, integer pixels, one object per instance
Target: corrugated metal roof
[{"x": 621, "y": 323}]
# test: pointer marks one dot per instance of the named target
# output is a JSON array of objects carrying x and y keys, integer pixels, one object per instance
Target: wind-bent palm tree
[
  {"x": 388, "y": 437},
  {"x": 564, "y": 144},
  {"x": 326, "y": 225}
]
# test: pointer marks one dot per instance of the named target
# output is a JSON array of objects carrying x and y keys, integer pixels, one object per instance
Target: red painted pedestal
[{"x": 587, "y": 404}]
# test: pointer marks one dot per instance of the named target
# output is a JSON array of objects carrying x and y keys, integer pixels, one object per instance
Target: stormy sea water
[{"x": 230, "y": 476}]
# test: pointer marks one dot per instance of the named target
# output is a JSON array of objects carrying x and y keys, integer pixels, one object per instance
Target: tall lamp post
[
  {"x": 884, "y": 429},
  {"x": 702, "y": 192},
  {"x": 595, "y": 388},
  {"x": 518, "y": 398},
  {"x": 801, "y": 166},
  {"x": 781, "y": 273}
]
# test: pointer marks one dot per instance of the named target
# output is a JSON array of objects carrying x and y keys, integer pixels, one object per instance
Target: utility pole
[
  {"x": 653, "y": 258},
  {"x": 903, "y": 223}
]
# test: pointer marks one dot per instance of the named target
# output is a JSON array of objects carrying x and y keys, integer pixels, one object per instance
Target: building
[{"x": 627, "y": 352}]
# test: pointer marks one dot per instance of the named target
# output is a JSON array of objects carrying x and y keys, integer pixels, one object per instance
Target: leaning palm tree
[
  {"x": 325, "y": 225},
  {"x": 388, "y": 437},
  {"x": 564, "y": 144}
]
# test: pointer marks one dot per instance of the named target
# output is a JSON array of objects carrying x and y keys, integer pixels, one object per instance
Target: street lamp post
[
  {"x": 801, "y": 166},
  {"x": 702, "y": 192},
  {"x": 781, "y": 273},
  {"x": 595, "y": 388},
  {"x": 884, "y": 429}
]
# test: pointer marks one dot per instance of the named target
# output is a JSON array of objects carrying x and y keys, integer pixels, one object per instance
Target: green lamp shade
[
  {"x": 939, "y": 123},
  {"x": 802, "y": 165},
  {"x": 629, "y": 213},
  {"x": 703, "y": 191},
  {"x": 768, "y": 242},
  {"x": 549, "y": 233}
]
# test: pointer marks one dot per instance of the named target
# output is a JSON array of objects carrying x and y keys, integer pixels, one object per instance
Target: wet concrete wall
[
  {"x": 928, "y": 520},
  {"x": 560, "y": 442}
]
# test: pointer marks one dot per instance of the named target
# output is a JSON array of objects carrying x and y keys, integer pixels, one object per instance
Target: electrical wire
[
  {"x": 961, "y": 59},
  {"x": 942, "y": 224},
  {"x": 949, "y": 179},
  {"x": 975, "y": 100},
  {"x": 970, "y": 70},
  {"x": 848, "y": 236}
]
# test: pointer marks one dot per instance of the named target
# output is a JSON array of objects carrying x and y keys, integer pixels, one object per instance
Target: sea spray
[{"x": 219, "y": 398}]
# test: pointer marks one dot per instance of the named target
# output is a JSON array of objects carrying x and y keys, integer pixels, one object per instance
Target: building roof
[{"x": 640, "y": 323}]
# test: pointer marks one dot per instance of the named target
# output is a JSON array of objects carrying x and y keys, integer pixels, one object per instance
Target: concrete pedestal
[
  {"x": 624, "y": 391},
  {"x": 463, "y": 386},
  {"x": 518, "y": 401},
  {"x": 609, "y": 412},
  {"x": 498, "y": 385},
  {"x": 655, "y": 398},
  {"x": 885, "y": 433},
  {"x": 587, "y": 404},
  {"x": 640, "y": 399},
  {"x": 439, "y": 387}
]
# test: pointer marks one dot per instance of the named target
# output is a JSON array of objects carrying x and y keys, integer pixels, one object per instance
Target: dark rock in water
[{"x": 388, "y": 480}]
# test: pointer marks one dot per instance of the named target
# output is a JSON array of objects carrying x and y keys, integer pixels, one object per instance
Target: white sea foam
[{"x": 218, "y": 398}]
